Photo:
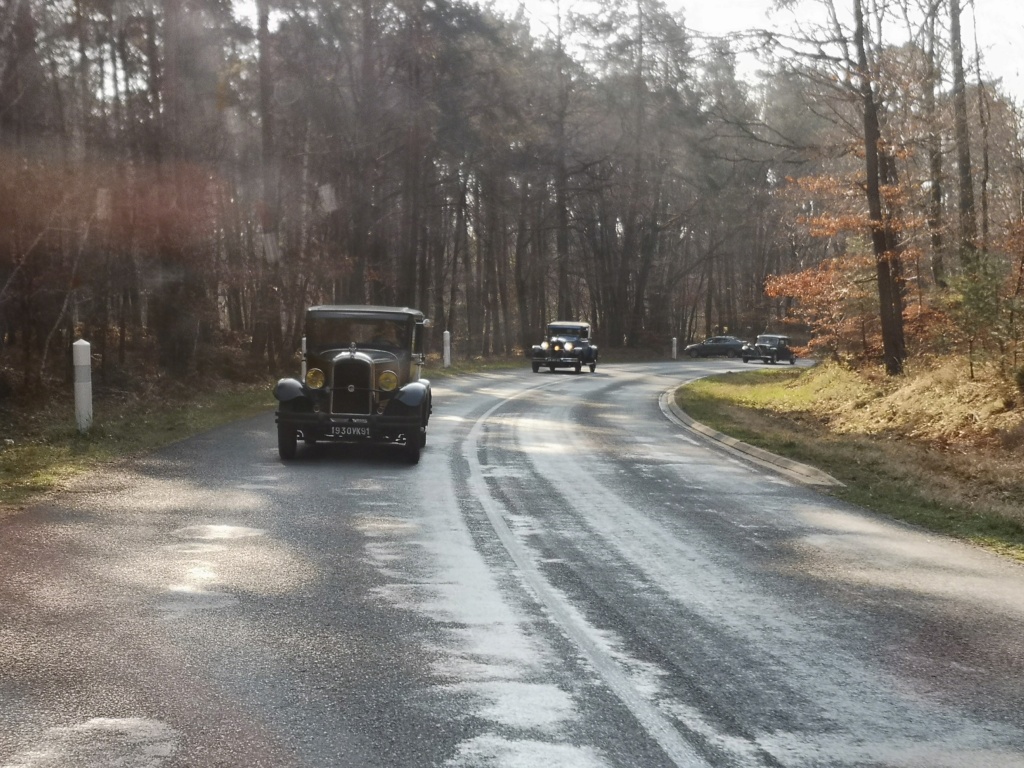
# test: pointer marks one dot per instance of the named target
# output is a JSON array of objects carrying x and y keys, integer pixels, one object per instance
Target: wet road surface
[{"x": 567, "y": 578}]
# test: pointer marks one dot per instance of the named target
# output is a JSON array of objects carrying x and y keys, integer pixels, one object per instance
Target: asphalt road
[{"x": 569, "y": 577}]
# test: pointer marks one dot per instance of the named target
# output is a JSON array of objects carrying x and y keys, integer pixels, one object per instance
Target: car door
[{"x": 716, "y": 345}]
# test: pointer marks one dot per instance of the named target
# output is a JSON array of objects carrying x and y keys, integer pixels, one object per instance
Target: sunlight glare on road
[{"x": 218, "y": 532}]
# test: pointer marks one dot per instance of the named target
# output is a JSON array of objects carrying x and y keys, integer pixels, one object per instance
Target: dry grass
[{"x": 934, "y": 447}]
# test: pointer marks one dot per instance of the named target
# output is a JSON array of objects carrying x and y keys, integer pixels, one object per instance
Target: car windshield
[
  {"x": 335, "y": 332},
  {"x": 573, "y": 332}
]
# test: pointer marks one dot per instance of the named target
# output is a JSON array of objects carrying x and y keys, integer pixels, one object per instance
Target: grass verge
[
  {"x": 43, "y": 448},
  {"x": 968, "y": 492}
]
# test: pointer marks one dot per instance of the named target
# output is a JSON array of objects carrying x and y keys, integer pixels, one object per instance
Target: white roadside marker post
[
  {"x": 82, "y": 359},
  {"x": 447, "y": 349}
]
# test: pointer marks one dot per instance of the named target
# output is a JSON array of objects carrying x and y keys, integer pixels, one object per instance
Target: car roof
[
  {"x": 363, "y": 310},
  {"x": 573, "y": 323}
]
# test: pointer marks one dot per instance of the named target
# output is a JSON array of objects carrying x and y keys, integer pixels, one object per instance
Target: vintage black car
[
  {"x": 729, "y": 346},
  {"x": 769, "y": 348},
  {"x": 360, "y": 381},
  {"x": 566, "y": 344}
]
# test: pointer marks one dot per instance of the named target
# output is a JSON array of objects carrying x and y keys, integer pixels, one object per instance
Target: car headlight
[
  {"x": 388, "y": 381},
  {"x": 569, "y": 346},
  {"x": 544, "y": 345},
  {"x": 315, "y": 378}
]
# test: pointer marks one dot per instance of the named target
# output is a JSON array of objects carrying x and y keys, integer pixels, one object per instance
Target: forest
[{"x": 179, "y": 180}]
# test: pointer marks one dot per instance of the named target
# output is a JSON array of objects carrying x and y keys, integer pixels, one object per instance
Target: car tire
[
  {"x": 773, "y": 359},
  {"x": 551, "y": 368},
  {"x": 693, "y": 353},
  {"x": 536, "y": 367},
  {"x": 424, "y": 418},
  {"x": 593, "y": 367},
  {"x": 792, "y": 361},
  {"x": 578, "y": 367},
  {"x": 287, "y": 442},
  {"x": 746, "y": 359},
  {"x": 731, "y": 353}
]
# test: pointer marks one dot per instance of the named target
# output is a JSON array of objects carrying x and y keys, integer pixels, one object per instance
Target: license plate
[{"x": 339, "y": 431}]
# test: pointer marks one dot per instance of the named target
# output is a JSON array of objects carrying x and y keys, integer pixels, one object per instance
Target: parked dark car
[
  {"x": 360, "y": 381},
  {"x": 566, "y": 344},
  {"x": 716, "y": 346},
  {"x": 769, "y": 348}
]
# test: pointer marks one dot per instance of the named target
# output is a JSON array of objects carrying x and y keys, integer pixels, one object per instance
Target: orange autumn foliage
[{"x": 836, "y": 300}]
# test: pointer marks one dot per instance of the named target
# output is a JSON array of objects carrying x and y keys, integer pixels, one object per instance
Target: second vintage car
[
  {"x": 567, "y": 344},
  {"x": 769, "y": 348},
  {"x": 360, "y": 381}
]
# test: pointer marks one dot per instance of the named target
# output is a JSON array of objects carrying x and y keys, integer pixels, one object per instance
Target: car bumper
[
  {"x": 377, "y": 428},
  {"x": 559, "y": 361}
]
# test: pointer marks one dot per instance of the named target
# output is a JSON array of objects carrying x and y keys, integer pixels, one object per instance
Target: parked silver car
[{"x": 716, "y": 346}]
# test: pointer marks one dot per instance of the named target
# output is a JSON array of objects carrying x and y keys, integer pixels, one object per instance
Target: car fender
[
  {"x": 414, "y": 394},
  {"x": 287, "y": 390}
]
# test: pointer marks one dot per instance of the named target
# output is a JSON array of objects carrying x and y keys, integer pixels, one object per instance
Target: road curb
[{"x": 802, "y": 473}]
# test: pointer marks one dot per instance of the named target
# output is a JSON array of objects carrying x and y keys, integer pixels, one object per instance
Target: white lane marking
[{"x": 583, "y": 635}]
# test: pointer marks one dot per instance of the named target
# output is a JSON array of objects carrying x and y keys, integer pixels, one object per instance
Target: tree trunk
[
  {"x": 968, "y": 223},
  {"x": 934, "y": 144},
  {"x": 885, "y": 241}
]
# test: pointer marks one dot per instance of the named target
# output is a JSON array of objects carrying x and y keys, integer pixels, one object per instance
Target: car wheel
[
  {"x": 731, "y": 353},
  {"x": 692, "y": 353},
  {"x": 593, "y": 367},
  {"x": 287, "y": 442},
  {"x": 536, "y": 367},
  {"x": 746, "y": 359},
  {"x": 773, "y": 360},
  {"x": 424, "y": 418},
  {"x": 578, "y": 367},
  {"x": 551, "y": 368},
  {"x": 792, "y": 361}
]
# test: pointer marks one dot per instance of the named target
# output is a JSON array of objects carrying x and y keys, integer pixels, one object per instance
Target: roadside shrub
[{"x": 1012, "y": 439}]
